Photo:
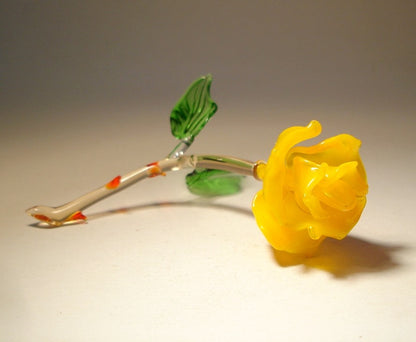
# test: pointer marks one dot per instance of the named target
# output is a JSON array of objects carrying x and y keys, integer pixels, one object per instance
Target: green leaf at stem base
[{"x": 210, "y": 182}]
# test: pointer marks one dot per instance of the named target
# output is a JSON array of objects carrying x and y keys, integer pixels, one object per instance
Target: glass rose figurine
[{"x": 308, "y": 194}]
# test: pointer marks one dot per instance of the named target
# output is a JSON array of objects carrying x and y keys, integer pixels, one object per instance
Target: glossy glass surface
[
  {"x": 193, "y": 110},
  {"x": 310, "y": 193},
  {"x": 208, "y": 182}
]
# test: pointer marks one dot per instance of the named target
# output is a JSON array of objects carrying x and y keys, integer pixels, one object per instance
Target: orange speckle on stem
[
  {"x": 114, "y": 183},
  {"x": 78, "y": 215},
  {"x": 42, "y": 218},
  {"x": 155, "y": 170}
]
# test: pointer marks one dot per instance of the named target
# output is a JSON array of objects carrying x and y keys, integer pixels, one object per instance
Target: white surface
[{"x": 175, "y": 270}]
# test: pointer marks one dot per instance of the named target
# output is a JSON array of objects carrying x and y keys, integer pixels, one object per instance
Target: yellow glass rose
[{"x": 310, "y": 193}]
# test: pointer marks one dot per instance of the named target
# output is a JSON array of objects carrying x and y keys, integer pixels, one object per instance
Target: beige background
[{"x": 86, "y": 91}]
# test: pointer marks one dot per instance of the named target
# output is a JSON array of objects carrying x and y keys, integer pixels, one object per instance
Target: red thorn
[
  {"x": 42, "y": 218},
  {"x": 114, "y": 183},
  {"x": 155, "y": 170},
  {"x": 78, "y": 215}
]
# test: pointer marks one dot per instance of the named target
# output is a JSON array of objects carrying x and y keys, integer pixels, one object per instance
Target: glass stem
[
  {"x": 231, "y": 164},
  {"x": 56, "y": 216},
  {"x": 180, "y": 149}
]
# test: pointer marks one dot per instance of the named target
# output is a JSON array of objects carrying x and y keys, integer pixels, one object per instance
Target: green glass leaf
[
  {"x": 210, "y": 182},
  {"x": 193, "y": 110}
]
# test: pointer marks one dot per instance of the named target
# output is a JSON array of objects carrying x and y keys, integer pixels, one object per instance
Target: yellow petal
[
  {"x": 280, "y": 236},
  {"x": 310, "y": 193},
  {"x": 307, "y": 175}
]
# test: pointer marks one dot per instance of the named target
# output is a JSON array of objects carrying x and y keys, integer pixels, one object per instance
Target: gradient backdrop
[{"x": 86, "y": 91}]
